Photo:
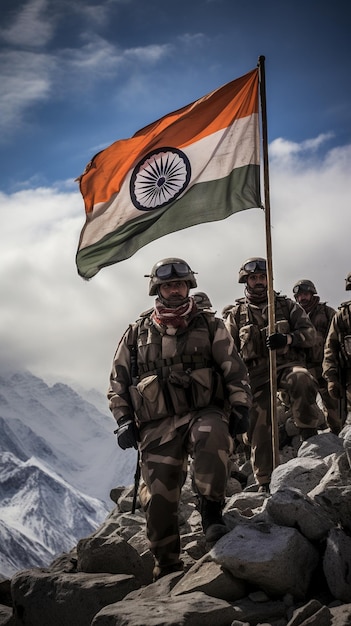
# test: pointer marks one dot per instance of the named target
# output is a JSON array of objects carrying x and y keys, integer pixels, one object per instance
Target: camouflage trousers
[
  {"x": 165, "y": 448},
  {"x": 301, "y": 389},
  {"x": 331, "y": 406}
]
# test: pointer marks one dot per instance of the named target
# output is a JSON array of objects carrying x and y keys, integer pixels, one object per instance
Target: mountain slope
[
  {"x": 70, "y": 435},
  {"x": 58, "y": 462},
  {"x": 41, "y": 515}
]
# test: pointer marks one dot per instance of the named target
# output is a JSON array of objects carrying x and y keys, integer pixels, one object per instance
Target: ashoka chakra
[{"x": 159, "y": 178}]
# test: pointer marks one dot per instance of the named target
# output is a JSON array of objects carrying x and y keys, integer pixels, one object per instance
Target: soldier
[
  {"x": 337, "y": 356},
  {"x": 320, "y": 315},
  {"x": 179, "y": 387},
  {"x": 247, "y": 322}
]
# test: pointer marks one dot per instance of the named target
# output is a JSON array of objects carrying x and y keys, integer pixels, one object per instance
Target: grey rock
[
  {"x": 249, "y": 611},
  {"x": 194, "y": 609},
  {"x": 321, "y": 446},
  {"x": 71, "y": 599},
  {"x": 311, "y": 614},
  {"x": 302, "y": 473},
  {"x": 257, "y": 574},
  {"x": 334, "y": 492},
  {"x": 212, "y": 579},
  {"x": 110, "y": 555},
  {"x": 263, "y": 554},
  {"x": 290, "y": 507},
  {"x": 337, "y": 564}
]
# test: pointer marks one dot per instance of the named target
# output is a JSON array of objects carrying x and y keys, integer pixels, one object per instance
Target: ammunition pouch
[
  {"x": 283, "y": 327},
  {"x": 252, "y": 342},
  {"x": 178, "y": 393}
]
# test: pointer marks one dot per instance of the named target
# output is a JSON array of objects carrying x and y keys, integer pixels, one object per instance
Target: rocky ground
[{"x": 286, "y": 560}]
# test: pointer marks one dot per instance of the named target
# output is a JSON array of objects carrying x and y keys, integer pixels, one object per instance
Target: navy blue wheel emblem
[{"x": 159, "y": 178}]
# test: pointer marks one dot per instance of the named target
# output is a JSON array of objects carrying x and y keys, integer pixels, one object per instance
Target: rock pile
[{"x": 286, "y": 560}]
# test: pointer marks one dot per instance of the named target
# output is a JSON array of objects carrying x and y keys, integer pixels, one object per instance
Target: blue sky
[{"x": 77, "y": 76}]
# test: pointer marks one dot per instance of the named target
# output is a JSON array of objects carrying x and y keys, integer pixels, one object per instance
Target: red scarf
[{"x": 174, "y": 317}]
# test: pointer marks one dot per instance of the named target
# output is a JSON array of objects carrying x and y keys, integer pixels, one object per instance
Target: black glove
[
  {"x": 127, "y": 433},
  {"x": 276, "y": 341},
  {"x": 239, "y": 420}
]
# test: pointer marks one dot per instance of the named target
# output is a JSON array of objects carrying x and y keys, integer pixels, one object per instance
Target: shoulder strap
[
  {"x": 345, "y": 317},
  {"x": 282, "y": 302},
  {"x": 210, "y": 320},
  {"x": 242, "y": 314}
]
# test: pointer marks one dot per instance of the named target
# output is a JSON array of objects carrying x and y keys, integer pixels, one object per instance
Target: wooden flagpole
[{"x": 270, "y": 291}]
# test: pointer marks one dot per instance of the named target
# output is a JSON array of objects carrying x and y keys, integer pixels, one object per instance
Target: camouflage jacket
[
  {"x": 248, "y": 325},
  {"x": 337, "y": 348},
  {"x": 158, "y": 375},
  {"x": 321, "y": 317}
]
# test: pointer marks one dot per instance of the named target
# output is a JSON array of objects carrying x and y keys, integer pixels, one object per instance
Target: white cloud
[
  {"x": 58, "y": 325},
  {"x": 31, "y": 26},
  {"x": 25, "y": 79},
  {"x": 284, "y": 149},
  {"x": 148, "y": 54}
]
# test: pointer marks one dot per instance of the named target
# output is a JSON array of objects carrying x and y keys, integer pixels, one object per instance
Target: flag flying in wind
[{"x": 198, "y": 164}]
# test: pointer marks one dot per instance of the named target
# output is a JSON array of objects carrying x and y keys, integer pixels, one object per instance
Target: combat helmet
[
  {"x": 304, "y": 285},
  {"x": 170, "y": 270},
  {"x": 348, "y": 282},
  {"x": 254, "y": 265},
  {"x": 202, "y": 300}
]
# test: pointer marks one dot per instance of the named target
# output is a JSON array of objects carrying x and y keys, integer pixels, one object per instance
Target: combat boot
[
  {"x": 212, "y": 521},
  {"x": 160, "y": 571}
]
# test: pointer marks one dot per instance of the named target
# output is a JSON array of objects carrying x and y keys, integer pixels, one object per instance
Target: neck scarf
[
  {"x": 173, "y": 318},
  {"x": 311, "y": 304},
  {"x": 254, "y": 298}
]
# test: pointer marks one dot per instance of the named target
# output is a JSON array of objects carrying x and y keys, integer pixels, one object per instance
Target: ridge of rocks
[{"x": 286, "y": 560}]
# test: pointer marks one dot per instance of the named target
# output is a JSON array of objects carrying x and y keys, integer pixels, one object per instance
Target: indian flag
[{"x": 198, "y": 164}]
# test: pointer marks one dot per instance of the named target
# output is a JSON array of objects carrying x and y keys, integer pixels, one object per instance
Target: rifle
[
  {"x": 135, "y": 378},
  {"x": 343, "y": 399},
  {"x": 136, "y": 483}
]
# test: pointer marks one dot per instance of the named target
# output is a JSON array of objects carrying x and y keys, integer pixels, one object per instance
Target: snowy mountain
[
  {"x": 41, "y": 515},
  {"x": 58, "y": 462}
]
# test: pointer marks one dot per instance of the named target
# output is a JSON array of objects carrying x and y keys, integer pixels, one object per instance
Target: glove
[
  {"x": 276, "y": 341},
  {"x": 335, "y": 390},
  {"x": 239, "y": 420},
  {"x": 127, "y": 433}
]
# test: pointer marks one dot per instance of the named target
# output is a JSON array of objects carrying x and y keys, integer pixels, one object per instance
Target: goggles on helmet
[
  {"x": 256, "y": 265},
  {"x": 172, "y": 269},
  {"x": 298, "y": 288}
]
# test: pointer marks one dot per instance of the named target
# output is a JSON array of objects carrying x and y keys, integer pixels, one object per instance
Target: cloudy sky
[{"x": 77, "y": 76}]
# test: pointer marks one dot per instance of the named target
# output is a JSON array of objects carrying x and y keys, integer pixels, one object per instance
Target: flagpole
[{"x": 270, "y": 291}]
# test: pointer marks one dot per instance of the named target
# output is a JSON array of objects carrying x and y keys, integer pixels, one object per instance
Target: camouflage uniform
[
  {"x": 248, "y": 324},
  {"x": 186, "y": 387},
  {"x": 321, "y": 317},
  {"x": 337, "y": 352}
]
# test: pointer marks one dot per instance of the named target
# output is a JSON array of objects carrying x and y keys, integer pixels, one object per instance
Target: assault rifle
[{"x": 135, "y": 378}]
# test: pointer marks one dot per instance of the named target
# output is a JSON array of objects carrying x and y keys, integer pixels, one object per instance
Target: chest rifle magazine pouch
[
  {"x": 251, "y": 344},
  {"x": 148, "y": 399}
]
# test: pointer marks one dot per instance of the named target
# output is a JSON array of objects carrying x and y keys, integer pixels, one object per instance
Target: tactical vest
[
  {"x": 179, "y": 384},
  {"x": 252, "y": 335},
  {"x": 321, "y": 321},
  {"x": 344, "y": 335}
]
